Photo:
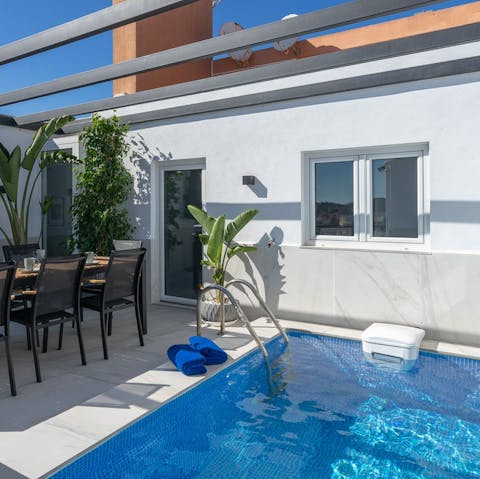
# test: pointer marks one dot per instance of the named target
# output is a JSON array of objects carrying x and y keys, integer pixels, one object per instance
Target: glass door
[
  {"x": 58, "y": 223},
  {"x": 182, "y": 271}
]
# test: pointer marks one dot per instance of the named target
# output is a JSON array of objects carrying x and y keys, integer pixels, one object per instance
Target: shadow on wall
[
  {"x": 303, "y": 49},
  {"x": 141, "y": 159},
  {"x": 259, "y": 189},
  {"x": 266, "y": 266},
  {"x": 467, "y": 212}
]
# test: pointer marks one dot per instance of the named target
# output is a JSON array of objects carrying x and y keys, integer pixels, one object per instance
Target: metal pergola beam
[
  {"x": 392, "y": 77},
  {"x": 87, "y": 26},
  {"x": 340, "y": 15},
  {"x": 377, "y": 51}
]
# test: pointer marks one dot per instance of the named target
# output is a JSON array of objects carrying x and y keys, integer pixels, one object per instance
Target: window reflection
[
  {"x": 334, "y": 198},
  {"x": 395, "y": 198}
]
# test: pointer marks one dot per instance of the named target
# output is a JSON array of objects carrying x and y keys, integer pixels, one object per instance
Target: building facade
[{"x": 366, "y": 182}]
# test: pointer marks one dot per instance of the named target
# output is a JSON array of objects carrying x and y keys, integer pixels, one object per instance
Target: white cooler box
[{"x": 391, "y": 345}]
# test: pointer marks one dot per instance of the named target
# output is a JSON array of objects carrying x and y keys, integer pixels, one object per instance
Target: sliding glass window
[{"x": 366, "y": 197}]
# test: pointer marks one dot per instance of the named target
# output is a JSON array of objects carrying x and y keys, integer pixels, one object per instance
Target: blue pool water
[{"x": 324, "y": 413}]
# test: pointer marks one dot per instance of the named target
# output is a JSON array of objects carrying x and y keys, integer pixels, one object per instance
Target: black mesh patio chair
[
  {"x": 122, "y": 245},
  {"x": 54, "y": 301},
  {"x": 119, "y": 290},
  {"x": 18, "y": 253},
  {"x": 7, "y": 277}
]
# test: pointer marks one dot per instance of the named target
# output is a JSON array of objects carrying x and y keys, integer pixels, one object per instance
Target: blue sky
[{"x": 25, "y": 17}]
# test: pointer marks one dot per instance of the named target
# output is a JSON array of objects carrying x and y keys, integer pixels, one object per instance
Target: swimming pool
[{"x": 323, "y": 413}]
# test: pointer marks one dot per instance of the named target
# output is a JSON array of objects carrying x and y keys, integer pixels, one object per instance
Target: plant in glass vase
[{"x": 220, "y": 247}]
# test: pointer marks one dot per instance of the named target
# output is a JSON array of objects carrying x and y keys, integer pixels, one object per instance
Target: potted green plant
[
  {"x": 103, "y": 185},
  {"x": 220, "y": 247},
  {"x": 16, "y": 195}
]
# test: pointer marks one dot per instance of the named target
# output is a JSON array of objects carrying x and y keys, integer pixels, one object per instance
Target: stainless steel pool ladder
[
  {"x": 241, "y": 315},
  {"x": 262, "y": 303}
]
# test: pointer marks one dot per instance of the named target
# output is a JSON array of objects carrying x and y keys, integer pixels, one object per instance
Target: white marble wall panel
[
  {"x": 297, "y": 283},
  {"x": 451, "y": 296},
  {"x": 377, "y": 287},
  {"x": 437, "y": 292}
]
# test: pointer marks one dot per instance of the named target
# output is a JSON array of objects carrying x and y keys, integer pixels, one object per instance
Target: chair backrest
[
  {"x": 17, "y": 253},
  {"x": 122, "y": 245},
  {"x": 123, "y": 273},
  {"x": 7, "y": 277},
  {"x": 58, "y": 284}
]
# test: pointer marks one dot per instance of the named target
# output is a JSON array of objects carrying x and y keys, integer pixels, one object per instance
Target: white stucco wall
[
  {"x": 268, "y": 142},
  {"x": 433, "y": 289}
]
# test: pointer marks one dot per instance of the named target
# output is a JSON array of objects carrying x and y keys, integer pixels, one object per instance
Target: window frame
[
  {"x": 363, "y": 208},
  {"x": 312, "y": 228},
  {"x": 369, "y": 197}
]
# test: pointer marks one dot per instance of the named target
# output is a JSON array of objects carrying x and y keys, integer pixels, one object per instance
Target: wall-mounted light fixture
[{"x": 248, "y": 180}]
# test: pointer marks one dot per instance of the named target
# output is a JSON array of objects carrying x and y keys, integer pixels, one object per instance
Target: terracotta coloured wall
[
  {"x": 124, "y": 48},
  {"x": 421, "y": 23},
  {"x": 181, "y": 26},
  {"x": 194, "y": 22}
]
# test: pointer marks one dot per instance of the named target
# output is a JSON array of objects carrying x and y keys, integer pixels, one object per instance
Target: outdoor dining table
[{"x": 26, "y": 279}]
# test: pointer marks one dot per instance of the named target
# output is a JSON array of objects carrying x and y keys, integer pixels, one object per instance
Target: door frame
[{"x": 157, "y": 223}]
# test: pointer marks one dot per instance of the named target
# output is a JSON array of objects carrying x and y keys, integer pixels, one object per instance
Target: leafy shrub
[{"x": 103, "y": 185}]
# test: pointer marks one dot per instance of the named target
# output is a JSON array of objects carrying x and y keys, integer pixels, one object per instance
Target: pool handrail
[
  {"x": 242, "y": 316},
  {"x": 262, "y": 302}
]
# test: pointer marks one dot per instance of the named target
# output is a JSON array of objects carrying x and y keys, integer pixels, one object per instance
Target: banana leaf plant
[
  {"x": 219, "y": 240},
  {"x": 16, "y": 194}
]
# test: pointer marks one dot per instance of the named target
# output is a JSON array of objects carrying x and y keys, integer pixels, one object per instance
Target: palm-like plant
[
  {"x": 11, "y": 165},
  {"x": 219, "y": 241}
]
